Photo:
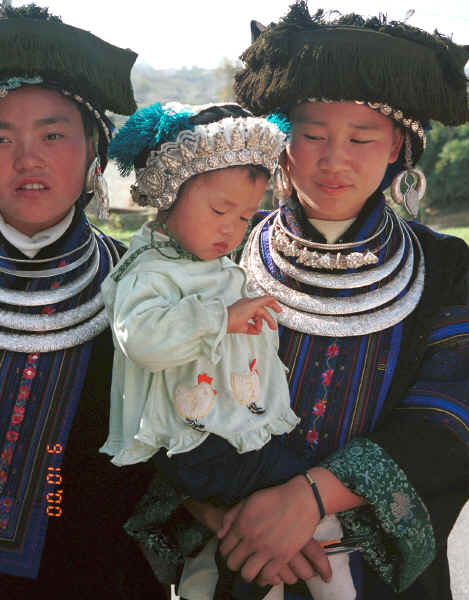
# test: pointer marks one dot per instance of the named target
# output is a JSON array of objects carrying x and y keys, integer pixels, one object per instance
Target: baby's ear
[{"x": 256, "y": 29}]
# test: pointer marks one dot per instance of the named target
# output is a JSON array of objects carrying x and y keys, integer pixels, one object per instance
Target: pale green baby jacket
[{"x": 178, "y": 375}]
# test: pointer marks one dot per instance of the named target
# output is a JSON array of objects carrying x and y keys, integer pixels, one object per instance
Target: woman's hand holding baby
[{"x": 246, "y": 315}]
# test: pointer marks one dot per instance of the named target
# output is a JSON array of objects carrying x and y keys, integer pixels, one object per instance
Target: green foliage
[
  {"x": 445, "y": 163},
  {"x": 121, "y": 226},
  {"x": 31, "y": 11},
  {"x": 460, "y": 232}
]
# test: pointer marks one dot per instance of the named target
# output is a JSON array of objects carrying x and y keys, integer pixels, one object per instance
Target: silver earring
[
  {"x": 282, "y": 185},
  {"x": 414, "y": 181},
  {"x": 97, "y": 185}
]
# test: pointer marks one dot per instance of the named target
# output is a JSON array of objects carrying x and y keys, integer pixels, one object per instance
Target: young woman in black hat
[
  {"x": 59, "y": 535},
  {"x": 375, "y": 320},
  {"x": 375, "y": 324}
]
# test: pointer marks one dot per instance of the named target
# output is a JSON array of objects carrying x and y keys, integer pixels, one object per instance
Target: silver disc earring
[
  {"x": 97, "y": 185},
  {"x": 414, "y": 182},
  {"x": 282, "y": 185}
]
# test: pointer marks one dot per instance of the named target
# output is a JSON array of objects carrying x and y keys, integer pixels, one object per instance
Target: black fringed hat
[
  {"x": 402, "y": 71},
  {"x": 37, "y": 48}
]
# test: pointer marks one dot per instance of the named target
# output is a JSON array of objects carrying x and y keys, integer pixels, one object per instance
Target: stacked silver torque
[
  {"x": 23, "y": 332},
  {"x": 398, "y": 280}
]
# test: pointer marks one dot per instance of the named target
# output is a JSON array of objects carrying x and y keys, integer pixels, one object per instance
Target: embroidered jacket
[{"x": 178, "y": 376}]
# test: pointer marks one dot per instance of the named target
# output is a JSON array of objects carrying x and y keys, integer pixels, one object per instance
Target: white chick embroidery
[{"x": 193, "y": 403}]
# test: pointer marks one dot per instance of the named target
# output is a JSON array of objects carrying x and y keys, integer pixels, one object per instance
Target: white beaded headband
[{"x": 14, "y": 83}]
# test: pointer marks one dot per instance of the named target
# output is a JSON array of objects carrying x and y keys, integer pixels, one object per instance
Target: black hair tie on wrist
[{"x": 314, "y": 487}]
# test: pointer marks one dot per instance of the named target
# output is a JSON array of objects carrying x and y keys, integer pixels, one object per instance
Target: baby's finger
[
  {"x": 268, "y": 318},
  {"x": 254, "y": 325},
  {"x": 273, "y": 304},
  {"x": 269, "y": 301}
]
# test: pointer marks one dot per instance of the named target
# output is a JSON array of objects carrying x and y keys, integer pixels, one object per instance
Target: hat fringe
[
  {"x": 61, "y": 54},
  {"x": 304, "y": 56}
]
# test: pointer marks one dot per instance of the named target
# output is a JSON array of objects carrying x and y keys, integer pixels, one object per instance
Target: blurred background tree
[
  {"x": 445, "y": 163},
  {"x": 225, "y": 74}
]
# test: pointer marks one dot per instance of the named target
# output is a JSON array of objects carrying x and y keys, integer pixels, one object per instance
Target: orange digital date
[{"x": 54, "y": 477}]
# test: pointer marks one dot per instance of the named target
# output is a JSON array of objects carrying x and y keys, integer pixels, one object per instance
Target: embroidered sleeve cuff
[{"x": 400, "y": 543}]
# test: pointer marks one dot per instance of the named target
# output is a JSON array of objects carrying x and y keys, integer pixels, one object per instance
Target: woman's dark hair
[
  {"x": 89, "y": 122},
  {"x": 90, "y": 127}
]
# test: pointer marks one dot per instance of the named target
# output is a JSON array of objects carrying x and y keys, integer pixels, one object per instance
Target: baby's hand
[{"x": 246, "y": 315}]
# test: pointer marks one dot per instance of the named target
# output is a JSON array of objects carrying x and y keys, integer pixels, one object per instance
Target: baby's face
[{"x": 213, "y": 209}]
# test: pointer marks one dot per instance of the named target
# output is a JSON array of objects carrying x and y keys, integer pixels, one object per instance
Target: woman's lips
[
  {"x": 333, "y": 189},
  {"x": 31, "y": 186}
]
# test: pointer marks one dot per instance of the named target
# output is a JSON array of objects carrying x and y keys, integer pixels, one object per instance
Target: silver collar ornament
[
  {"x": 22, "y": 332},
  {"x": 229, "y": 142},
  {"x": 399, "y": 283}
]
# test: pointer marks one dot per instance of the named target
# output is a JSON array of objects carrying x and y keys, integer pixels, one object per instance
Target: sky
[{"x": 184, "y": 33}]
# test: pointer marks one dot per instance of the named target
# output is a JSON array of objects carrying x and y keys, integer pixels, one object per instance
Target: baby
[{"x": 197, "y": 382}]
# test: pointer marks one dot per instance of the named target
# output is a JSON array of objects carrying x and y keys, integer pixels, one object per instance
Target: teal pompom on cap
[
  {"x": 281, "y": 120},
  {"x": 145, "y": 130}
]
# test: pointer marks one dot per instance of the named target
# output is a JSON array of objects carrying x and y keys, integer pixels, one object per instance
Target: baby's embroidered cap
[{"x": 166, "y": 148}]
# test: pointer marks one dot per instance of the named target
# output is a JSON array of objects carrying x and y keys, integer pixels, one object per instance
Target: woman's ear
[
  {"x": 397, "y": 141},
  {"x": 283, "y": 160},
  {"x": 90, "y": 153}
]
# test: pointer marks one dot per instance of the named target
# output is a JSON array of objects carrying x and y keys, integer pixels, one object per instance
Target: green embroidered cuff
[
  {"x": 165, "y": 529},
  {"x": 401, "y": 543}
]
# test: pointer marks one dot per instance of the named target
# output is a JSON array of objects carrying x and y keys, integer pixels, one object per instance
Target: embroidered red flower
[
  {"x": 312, "y": 436},
  {"x": 7, "y": 455},
  {"x": 333, "y": 350},
  {"x": 48, "y": 310},
  {"x": 55, "y": 285},
  {"x": 7, "y": 502},
  {"x": 23, "y": 392},
  {"x": 204, "y": 378},
  {"x": 326, "y": 377},
  {"x": 12, "y": 436},
  {"x": 18, "y": 416},
  {"x": 33, "y": 357},
  {"x": 319, "y": 408},
  {"x": 16, "y": 419},
  {"x": 29, "y": 372},
  {"x": 62, "y": 263}
]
